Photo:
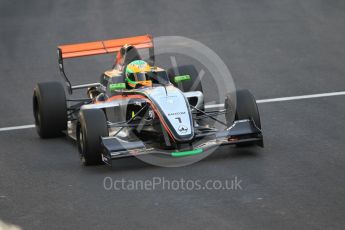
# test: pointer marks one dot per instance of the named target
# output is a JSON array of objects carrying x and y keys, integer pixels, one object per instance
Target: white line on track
[
  {"x": 17, "y": 127},
  {"x": 301, "y": 97},
  {"x": 293, "y": 98}
]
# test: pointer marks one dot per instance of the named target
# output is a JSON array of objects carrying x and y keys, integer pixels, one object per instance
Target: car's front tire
[{"x": 92, "y": 125}]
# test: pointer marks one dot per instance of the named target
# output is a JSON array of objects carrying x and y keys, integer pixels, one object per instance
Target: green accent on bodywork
[
  {"x": 117, "y": 86},
  {"x": 178, "y": 79},
  {"x": 186, "y": 153}
]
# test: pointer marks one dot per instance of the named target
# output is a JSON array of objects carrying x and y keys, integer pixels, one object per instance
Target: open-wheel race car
[{"x": 138, "y": 108}]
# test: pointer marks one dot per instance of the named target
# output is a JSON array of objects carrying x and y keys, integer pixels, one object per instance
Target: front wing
[{"x": 242, "y": 131}]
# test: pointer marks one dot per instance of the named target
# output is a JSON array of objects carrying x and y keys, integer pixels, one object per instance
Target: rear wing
[{"x": 97, "y": 48}]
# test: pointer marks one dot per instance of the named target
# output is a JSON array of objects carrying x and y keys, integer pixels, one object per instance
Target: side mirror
[
  {"x": 117, "y": 86},
  {"x": 181, "y": 78}
]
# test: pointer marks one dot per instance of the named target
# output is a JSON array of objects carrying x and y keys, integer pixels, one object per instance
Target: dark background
[{"x": 274, "y": 48}]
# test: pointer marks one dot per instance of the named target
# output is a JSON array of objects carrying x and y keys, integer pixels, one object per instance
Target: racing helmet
[{"x": 136, "y": 73}]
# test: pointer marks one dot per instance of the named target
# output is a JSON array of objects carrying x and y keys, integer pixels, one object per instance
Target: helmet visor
[{"x": 140, "y": 76}]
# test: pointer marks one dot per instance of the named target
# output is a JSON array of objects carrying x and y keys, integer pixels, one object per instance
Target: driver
[{"x": 136, "y": 74}]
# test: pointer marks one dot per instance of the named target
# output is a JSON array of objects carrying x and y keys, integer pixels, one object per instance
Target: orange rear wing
[
  {"x": 104, "y": 47},
  {"x": 100, "y": 47}
]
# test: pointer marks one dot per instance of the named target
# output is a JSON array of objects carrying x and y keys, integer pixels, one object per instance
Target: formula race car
[{"x": 138, "y": 108}]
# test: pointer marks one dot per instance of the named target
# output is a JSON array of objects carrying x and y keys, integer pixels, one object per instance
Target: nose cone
[{"x": 174, "y": 108}]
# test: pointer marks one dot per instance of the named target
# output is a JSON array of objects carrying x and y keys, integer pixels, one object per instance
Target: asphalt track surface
[{"x": 274, "y": 48}]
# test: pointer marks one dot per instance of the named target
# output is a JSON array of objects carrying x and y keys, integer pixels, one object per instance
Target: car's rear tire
[
  {"x": 50, "y": 109},
  {"x": 246, "y": 108},
  {"x": 92, "y": 125}
]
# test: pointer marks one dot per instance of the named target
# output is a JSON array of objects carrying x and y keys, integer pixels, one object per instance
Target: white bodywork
[{"x": 173, "y": 104}]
